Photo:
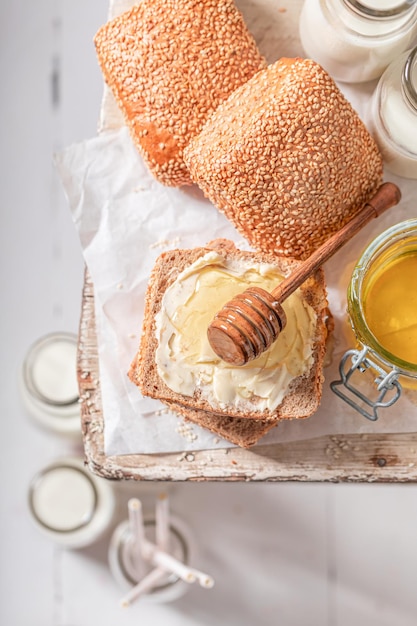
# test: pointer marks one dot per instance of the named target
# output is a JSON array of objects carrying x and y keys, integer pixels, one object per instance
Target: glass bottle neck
[
  {"x": 373, "y": 10},
  {"x": 409, "y": 79},
  {"x": 372, "y": 19}
]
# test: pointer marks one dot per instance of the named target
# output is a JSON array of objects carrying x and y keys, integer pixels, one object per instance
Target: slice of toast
[
  {"x": 239, "y": 425},
  {"x": 242, "y": 432}
]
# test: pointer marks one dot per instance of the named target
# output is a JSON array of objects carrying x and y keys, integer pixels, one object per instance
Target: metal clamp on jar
[{"x": 382, "y": 308}]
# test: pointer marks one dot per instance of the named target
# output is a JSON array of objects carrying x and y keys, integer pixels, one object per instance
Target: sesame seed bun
[
  {"x": 237, "y": 424},
  {"x": 169, "y": 64},
  {"x": 286, "y": 159}
]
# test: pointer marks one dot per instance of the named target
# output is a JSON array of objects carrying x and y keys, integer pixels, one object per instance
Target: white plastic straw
[
  {"x": 204, "y": 579},
  {"x": 136, "y": 524},
  {"x": 137, "y": 535},
  {"x": 162, "y": 524},
  {"x": 169, "y": 563},
  {"x": 147, "y": 583},
  {"x": 141, "y": 551},
  {"x": 173, "y": 565}
]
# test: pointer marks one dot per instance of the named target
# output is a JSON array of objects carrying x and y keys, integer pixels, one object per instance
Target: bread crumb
[
  {"x": 186, "y": 431},
  {"x": 165, "y": 243},
  {"x": 160, "y": 412}
]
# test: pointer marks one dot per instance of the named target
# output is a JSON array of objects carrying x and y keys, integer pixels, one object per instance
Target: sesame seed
[
  {"x": 169, "y": 64},
  {"x": 286, "y": 159}
]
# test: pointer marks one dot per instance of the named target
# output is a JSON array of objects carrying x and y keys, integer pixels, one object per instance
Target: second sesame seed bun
[{"x": 286, "y": 158}]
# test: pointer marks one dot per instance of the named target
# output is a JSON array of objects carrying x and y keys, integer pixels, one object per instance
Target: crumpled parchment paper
[{"x": 125, "y": 219}]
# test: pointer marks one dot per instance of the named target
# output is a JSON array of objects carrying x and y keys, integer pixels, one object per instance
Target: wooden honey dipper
[{"x": 248, "y": 324}]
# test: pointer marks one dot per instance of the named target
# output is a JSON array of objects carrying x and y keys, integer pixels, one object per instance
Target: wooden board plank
[{"x": 349, "y": 458}]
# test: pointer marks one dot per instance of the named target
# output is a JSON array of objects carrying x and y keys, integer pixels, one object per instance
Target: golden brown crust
[
  {"x": 169, "y": 64},
  {"x": 286, "y": 159}
]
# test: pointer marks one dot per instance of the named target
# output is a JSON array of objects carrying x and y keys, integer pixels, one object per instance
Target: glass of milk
[
  {"x": 121, "y": 560},
  {"x": 49, "y": 385},
  {"x": 355, "y": 41},
  {"x": 70, "y": 505},
  {"x": 393, "y": 115}
]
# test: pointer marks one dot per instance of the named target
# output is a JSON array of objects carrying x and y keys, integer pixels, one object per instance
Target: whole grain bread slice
[
  {"x": 242, "y": 432},
  {"x": 304, "y": 393}
]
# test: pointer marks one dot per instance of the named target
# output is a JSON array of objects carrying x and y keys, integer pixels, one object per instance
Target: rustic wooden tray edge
[{"x": 347, "y": 458}]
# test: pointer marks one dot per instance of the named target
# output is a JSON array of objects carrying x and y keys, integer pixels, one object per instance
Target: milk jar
[
  {"x": 393, "y": 115},
  {"x": 356, "y": 41},
  {"x": 70, "y": 505},
  {"x": 49, "y": 386}
]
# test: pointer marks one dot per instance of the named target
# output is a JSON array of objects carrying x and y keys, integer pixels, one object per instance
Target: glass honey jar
[{"x": 382, "y": 308}]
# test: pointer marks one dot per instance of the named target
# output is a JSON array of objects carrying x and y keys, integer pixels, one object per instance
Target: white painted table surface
[{"x": 289, "y": 554}]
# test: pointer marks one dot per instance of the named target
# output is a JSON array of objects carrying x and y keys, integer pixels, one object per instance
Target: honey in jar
[
  {"x": 390, "y": 305},
  {"x": 382, "y": 307}
]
